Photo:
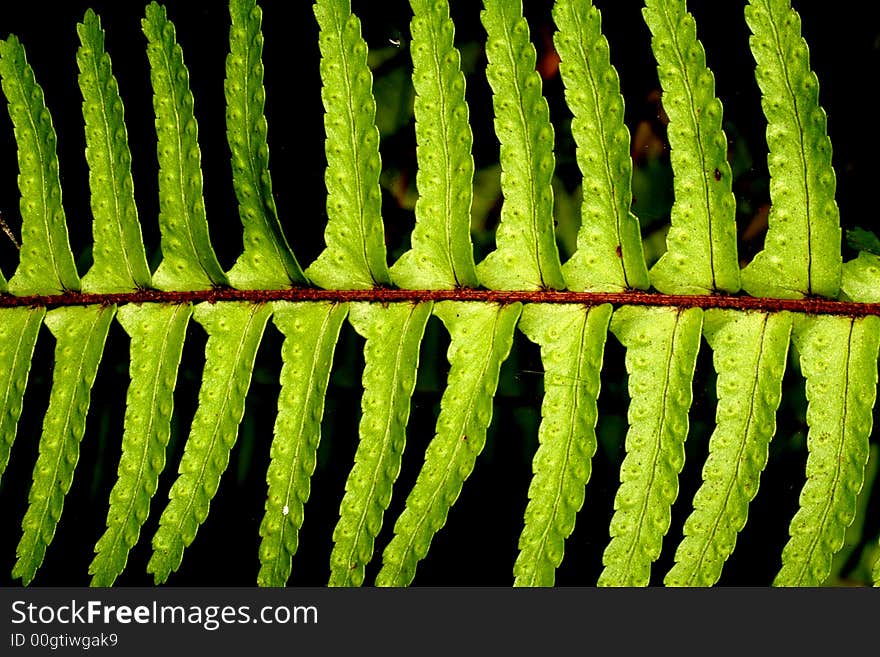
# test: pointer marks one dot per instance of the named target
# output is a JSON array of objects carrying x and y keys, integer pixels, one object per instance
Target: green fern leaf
[
  {"x": 837, "y": 338},
  {"x": 46, "y": 263},
  {"x": 609, "y": 253},
  {"x": 80, "y": 333},
  {"x": 861, "y": 282},
  {"x": 442, "y": 255},
  {"x": 572, "y": 343},
  {"x": 234, "y": 333},
  {"x": 188, "y": 259},
  {"x": 801, "y": 253},
  {"x": 157, "y": 333},
  {"x": 701, "y": 244},
  {"x": 481, "y": 339},
  {"x": 311, "y": 331},
  {"x": 838, "y": 357},
  {"x": 120, "y": 263},
  {"x": 267, "y": 261},
  {"x": 661, "y": 352},
  {"x": 355, "y": 253},
  {"x": 750, "y": 350},
  {"x": 861, "y": 279},
  {"x": 393, "y": 335},
  {"x": 527, "y": 256},
  {"x": 19, "y": 328}
]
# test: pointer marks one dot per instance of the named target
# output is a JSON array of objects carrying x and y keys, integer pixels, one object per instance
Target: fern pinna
[{"x": 796, "y": 305}]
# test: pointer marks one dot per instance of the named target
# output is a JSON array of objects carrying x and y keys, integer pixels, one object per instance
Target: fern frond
[
  {"x": 234, "y": 333},
  {"x": 442, "y": 255},
  {"x": 157, "y": 334},
  {"x": 567, "y": 310},
  {"x": 80, "y": 333},
  {"x": 267, "y": 261},
  {"x": 310, "y": 334},
  {"x": 355, "y": 254},
  {"x": 661, "y": 353},
  {"x": 701, "y": 243},
  {"x": 572, "y": 341},
  {"x": 188, "y": 259},
  {"x": 393, "y": 335},
  {"x": 481, "y": 339},
  {"x": 609, "y": 254},
  {"x": 527, "y": 256},
  {"x": 801, "y": 253},
  {"x": 120, "y": 263},
  {"x": 750, "y": 351},
  {"x": 19, "y": 328},
  {"x": 46, "y": 263},
  {"x": 838, "y": 357}
]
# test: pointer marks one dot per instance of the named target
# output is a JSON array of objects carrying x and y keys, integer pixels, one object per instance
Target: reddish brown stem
[{"x": 386, "y": 295}]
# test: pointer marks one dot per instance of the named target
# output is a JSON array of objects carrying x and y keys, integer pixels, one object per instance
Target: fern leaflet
[
  {"x": 661, "y": 353},
  {"x": 188, "y": 261},
  {"x": 750, "y": 351},
  {"x": 592, "y": 90},
  {"x": 120, "y": 263},
  {"x": 267, "y": 261},
  {"x": 46, "y": 263},
  {"x": 481, "y": 340},
  {"x": 526, "y": 257},
  {"x": 355, "y": 253},
  {"x": 572, "y": 343},
  {"x": 80, "y": 333},
  {"x": 234, "y": 333},
  {"x": 861, "y": 278},
  {"x": 18, "y": 335},
  {"x": 839, "y": 359},
  {"x": 393, "y": 336},
  {"x": 445, "y": 183},
  {"x": 310, "y": 331},
  {"x": 701, "y": 256},
  {"x": 157, "y": 332},
  {"x": 801, "y": 253}
]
